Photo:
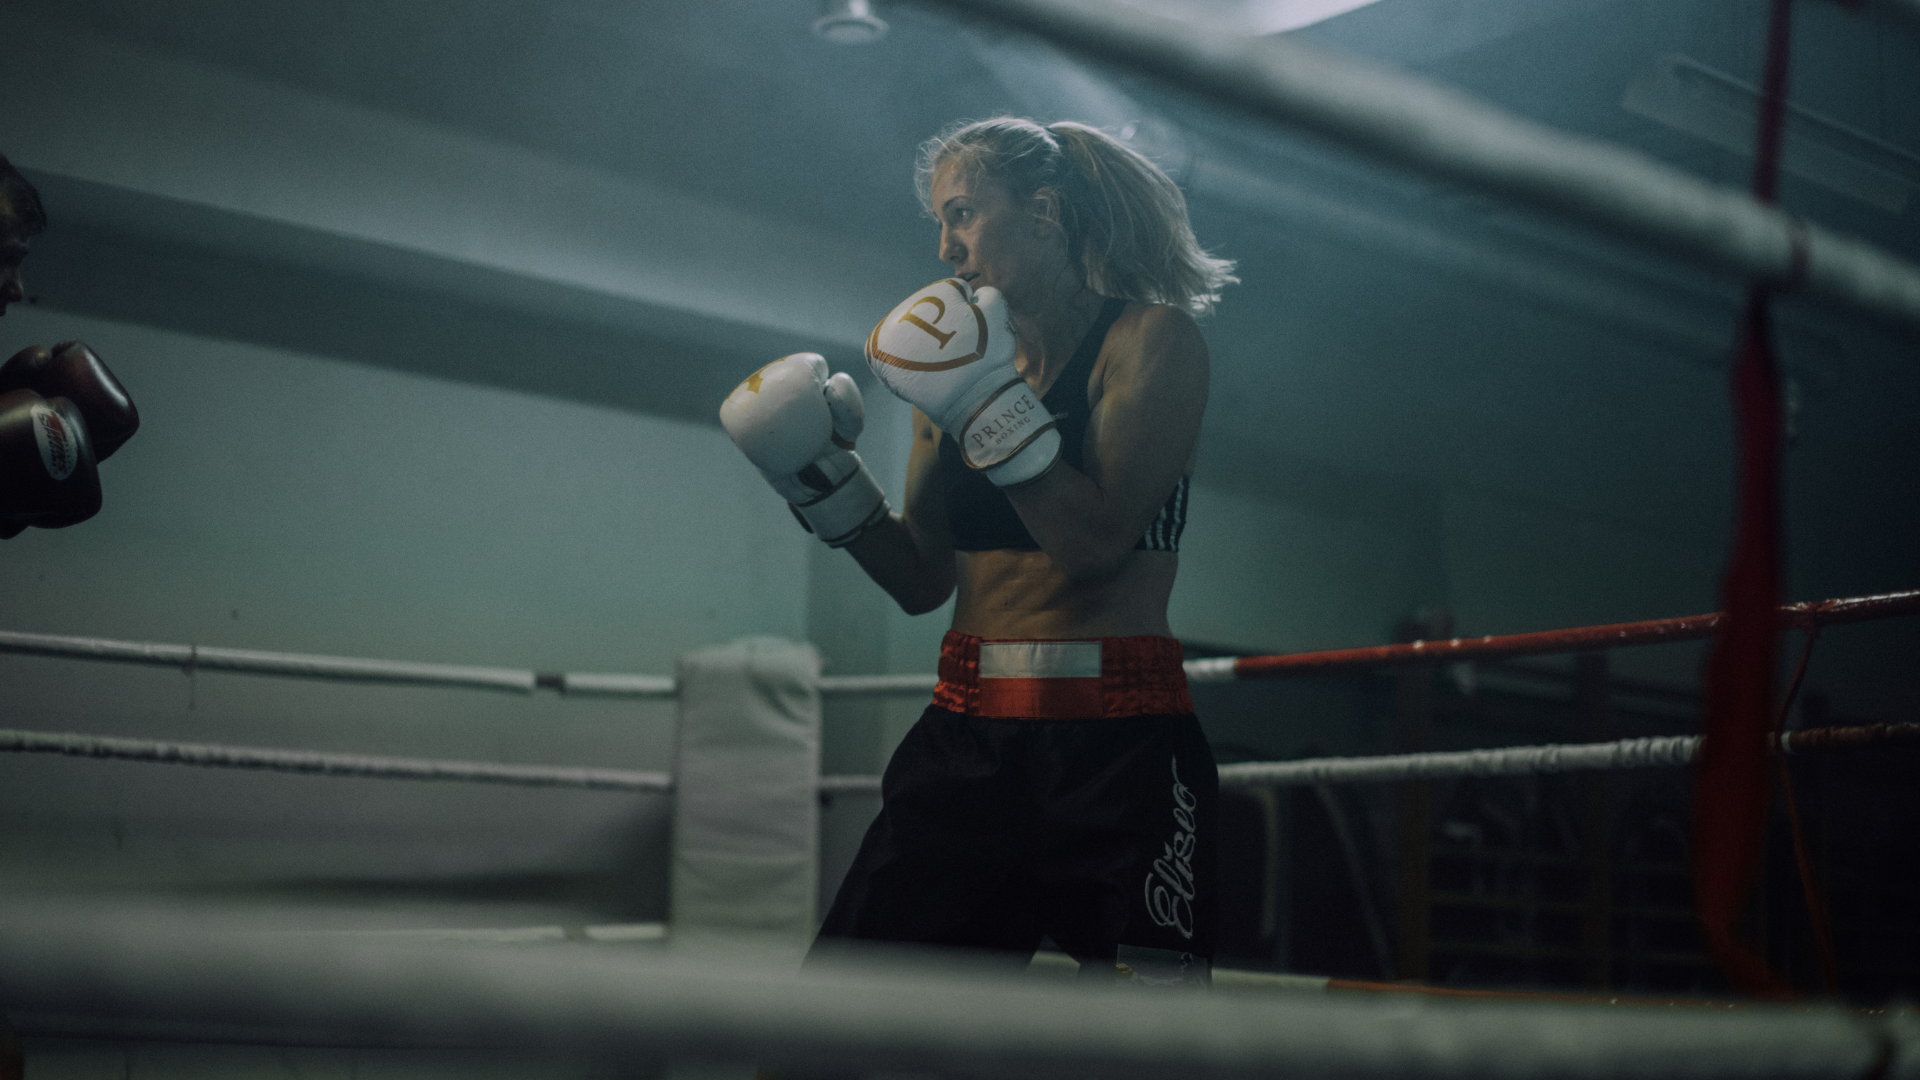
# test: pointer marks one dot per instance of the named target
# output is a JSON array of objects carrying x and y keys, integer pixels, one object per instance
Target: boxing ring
[
  {"x": 167, "y": 967},
  {"x": 1657, "y": 752}
]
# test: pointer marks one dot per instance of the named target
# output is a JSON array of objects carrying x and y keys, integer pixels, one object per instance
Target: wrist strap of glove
[
  {"x": 1006, "y": 423},
  {"x": 853, "y": 506},
  {"x": 880, "y": 513}
]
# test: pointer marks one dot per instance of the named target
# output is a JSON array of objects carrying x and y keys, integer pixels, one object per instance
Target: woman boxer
[{"x": 1059, "y": 785}]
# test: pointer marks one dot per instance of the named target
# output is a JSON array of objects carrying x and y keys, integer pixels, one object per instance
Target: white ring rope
[
  {"x": 919, "y": 1015},
  {"x": 218, "y": 756},
  {"x": 849, "y": 785},
  {"x": 308, "y": 666},
  {"x": 1644, "y": 753},
  {"x": 316, "y": 762},
  {"x": 594, "y": 685},
  {"x": 1666, "y": 751},
  {"x": 252, "y": 661},
  {"x": 1212, "y": 669},
  {"x": 878, "y": 684}
]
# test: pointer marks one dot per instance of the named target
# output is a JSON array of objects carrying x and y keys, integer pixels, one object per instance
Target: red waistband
[{"x": 1055, "y": 680}]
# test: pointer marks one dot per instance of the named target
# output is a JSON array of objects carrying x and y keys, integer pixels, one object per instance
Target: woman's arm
[
  {"x": 910, "y": 554},
  {"x": 1140, "y": 439}
]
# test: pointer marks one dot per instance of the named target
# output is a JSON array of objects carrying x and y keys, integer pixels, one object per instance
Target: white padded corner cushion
[{"x": 747, "y": 788}]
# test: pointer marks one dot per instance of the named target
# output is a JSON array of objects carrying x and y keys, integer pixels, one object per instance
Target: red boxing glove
[
  {"x": 48, "y": 475},
  {"x": 77, "y": 373}
]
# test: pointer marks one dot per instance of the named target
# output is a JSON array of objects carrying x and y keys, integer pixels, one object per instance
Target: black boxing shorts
[{"x": 1056, "y": 789}]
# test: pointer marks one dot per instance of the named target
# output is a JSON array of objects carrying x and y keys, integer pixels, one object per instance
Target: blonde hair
[{"x": 1125, "y": 220}]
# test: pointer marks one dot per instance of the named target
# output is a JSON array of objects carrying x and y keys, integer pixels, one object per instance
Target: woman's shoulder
[{"x": 1152, "y": 335}]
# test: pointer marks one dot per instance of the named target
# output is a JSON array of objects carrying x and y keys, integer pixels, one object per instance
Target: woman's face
[{"x": 991, "y": 238}]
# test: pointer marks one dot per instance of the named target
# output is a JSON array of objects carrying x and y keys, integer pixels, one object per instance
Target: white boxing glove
[
  {"x": 797, "y": 424},
  {"x": 949, "y": 351}
]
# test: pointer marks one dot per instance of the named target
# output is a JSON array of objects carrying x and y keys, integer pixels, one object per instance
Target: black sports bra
[{"x": 980, "y": 514}]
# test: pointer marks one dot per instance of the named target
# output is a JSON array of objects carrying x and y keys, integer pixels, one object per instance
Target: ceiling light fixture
[
  {"x": 849, "y": 22},
  {"x": 1254, "y": 18}
]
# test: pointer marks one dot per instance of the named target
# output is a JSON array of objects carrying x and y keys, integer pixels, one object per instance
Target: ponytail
[{"x": 1124, "y": 219}]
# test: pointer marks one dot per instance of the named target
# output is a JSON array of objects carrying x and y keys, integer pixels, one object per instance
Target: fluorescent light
[
  {"x": 1255, "y": 18},
  {"x": 1277, "y": 16},
  {"x": 849, "y": 22}
]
